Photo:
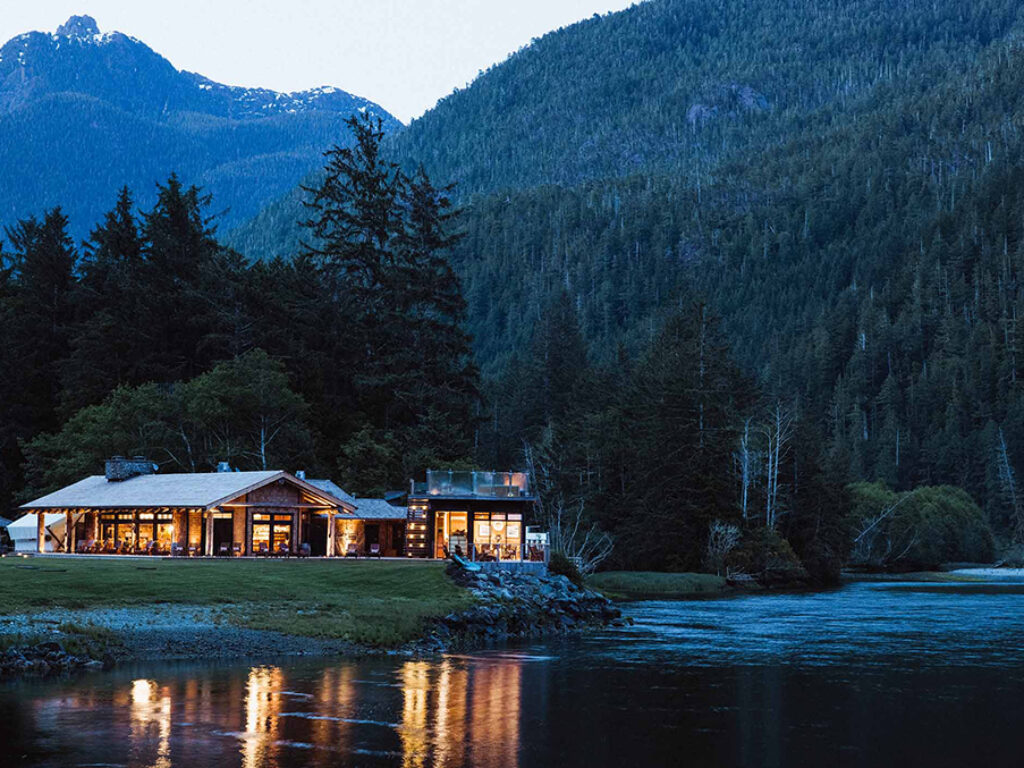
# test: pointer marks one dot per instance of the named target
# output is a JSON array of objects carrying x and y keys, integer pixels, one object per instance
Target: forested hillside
[
  {"x": 678, "y": 87},
  {"x": 83, "y": 113},
  {"x": 841, "y": 182}
]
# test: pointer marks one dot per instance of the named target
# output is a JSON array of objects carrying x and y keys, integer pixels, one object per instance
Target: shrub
[
  {"x": 919, "y": 529},
  {"x": 768, "y": 557},
  {"x": 560, "y": 565}
]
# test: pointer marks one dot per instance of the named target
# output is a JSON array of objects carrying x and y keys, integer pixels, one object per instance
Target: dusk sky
[{"x": 402, "y": 54}]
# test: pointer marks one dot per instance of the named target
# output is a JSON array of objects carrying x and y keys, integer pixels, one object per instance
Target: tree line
[{"x": 153, "y": 338}]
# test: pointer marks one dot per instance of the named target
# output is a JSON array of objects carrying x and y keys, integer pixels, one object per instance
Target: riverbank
[{"x": 116, "y": 610}]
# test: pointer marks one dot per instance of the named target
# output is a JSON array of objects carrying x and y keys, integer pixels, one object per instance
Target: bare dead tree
[
  {"x": 778, "y": 431},
  {"x": 722, "y": 539},
  {"x": 568, "y": 532},
  {"x": 1008, "y": 480},
  {"x": 871, "y": 534},
  {"x": 747, "y": 460}
]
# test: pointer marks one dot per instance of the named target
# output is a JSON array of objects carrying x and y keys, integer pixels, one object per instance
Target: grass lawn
[
  {"x": 376, "y": 603},
  {"x": 636, "y": 584}
]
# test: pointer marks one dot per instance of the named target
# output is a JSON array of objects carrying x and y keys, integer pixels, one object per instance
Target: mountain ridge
[{"x": 111, "y": 85}]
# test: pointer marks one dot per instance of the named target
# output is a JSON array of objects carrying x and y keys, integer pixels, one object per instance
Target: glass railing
[{"x": 452, "y": 482}]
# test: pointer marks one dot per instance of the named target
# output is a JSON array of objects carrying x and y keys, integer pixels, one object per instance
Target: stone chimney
[{"x": 119, "y": 468}]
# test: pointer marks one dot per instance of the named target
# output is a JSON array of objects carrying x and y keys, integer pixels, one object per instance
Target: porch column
[
  {"x": 40, "y": 531},
  {"x": 69, "y": 531},
  {"x": 208, "y": 549},
  {"x": 331, "y": 533},
  {"x": 94, "y": 525}
]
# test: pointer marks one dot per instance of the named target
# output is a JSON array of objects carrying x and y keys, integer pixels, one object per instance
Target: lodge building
[{"x": 131, "y": 510}]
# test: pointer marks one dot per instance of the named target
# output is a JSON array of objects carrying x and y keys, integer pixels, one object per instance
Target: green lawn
[
  {"x": 377, "y": 603},
  {"x": 635, "y": 584}
]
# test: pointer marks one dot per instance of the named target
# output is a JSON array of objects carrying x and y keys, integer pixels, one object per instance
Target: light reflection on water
[{"x": 869, "y": 675}]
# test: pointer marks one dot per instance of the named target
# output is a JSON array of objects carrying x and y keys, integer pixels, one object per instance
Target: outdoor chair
[
  {"x": 375, "y": 551},
  {"x": 223, "y": 550},
  {"x": 150, "y": 548},
  {"x": 282, "y": 549},
  {"x": 263, "y": 549},
  {"x": 193, "y": 550},
  {"x": 236, "y": 549},
  {"x": 352, "y": 551},
  {"x": 304, "y": 549}
]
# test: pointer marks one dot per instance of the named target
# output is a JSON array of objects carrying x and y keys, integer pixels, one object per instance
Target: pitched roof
[
  {"x": 332, "y": 488},
  {"x": 171, "y": 490},
  {"x": 366, "y": 509},
  {"x": 378, "y": 509}
]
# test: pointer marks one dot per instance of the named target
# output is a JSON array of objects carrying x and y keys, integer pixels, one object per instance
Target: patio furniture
[
  {"x": 236, "y": 549},
  {"x": 193, "y": 550},
  {"x": 223, "y": 550},
  {"x": 352, "y": 550},
  {"x": 282, "y": 549},
  {"x": 375, "y": 551},
  {"x": 304, "y": 549},
  {"x": 264, "y": 549}
]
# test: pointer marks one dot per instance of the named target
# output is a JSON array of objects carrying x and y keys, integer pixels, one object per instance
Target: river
[{"x": 872, "y": 674}]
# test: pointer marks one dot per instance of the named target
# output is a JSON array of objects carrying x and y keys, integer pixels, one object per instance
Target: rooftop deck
[{"x": 471, "y": 484}]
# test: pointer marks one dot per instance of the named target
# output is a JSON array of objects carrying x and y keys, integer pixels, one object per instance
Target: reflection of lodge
[
  {"x": 449, "y": 713},
  {"x": 476, "y": 515}
]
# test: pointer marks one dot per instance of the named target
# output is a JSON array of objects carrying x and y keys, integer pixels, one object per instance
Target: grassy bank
[
  {"x": 372, "y": 603},
  {"x": 938, "y": 577},
  {"x": 641, "y": 584}
]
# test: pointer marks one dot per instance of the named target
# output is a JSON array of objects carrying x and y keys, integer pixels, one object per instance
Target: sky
[{"x": 402, "y": 54}]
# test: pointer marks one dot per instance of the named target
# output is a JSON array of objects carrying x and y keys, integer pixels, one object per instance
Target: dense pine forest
[{"x": 740, "y": 281}]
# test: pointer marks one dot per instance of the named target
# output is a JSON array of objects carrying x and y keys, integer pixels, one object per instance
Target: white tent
[{"x": 24, "y": 530}]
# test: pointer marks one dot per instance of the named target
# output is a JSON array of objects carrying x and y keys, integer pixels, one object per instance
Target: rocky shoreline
[
  {"x": 506, "y": 606},
  {"x": 519, "y": 605},
  {"x": 45, "y": 659}
]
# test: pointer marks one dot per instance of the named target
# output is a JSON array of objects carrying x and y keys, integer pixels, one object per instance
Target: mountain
[
  {"x": 674, "y": 87},
  {"x": 83, "y": 113}
]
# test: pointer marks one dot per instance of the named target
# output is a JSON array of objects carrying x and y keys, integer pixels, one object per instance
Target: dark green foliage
[
  {"x": 242, "y": 412},
  {"x": 379, "y": 239},
  {"x": 161, "y": 342},
  {"x": 36, "y": 283},
  {"x": 917, "y": 529},
  {"x": 560, "y": 565},
  {"x": 768, "y": 557}
]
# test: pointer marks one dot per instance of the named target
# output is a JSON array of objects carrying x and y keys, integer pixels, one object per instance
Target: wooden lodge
[{"x": 130, "y": 510}]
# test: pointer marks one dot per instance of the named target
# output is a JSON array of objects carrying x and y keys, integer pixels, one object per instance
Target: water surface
[{"x": 873, "y": 674}]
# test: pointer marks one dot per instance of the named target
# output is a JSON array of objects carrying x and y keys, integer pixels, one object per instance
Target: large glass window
[
  {"x": 143, "y": 532},
  {"x": 497, "y": 536},
  {"x": 271, "y": 534},
  {"x": 452, "y": 536}
]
